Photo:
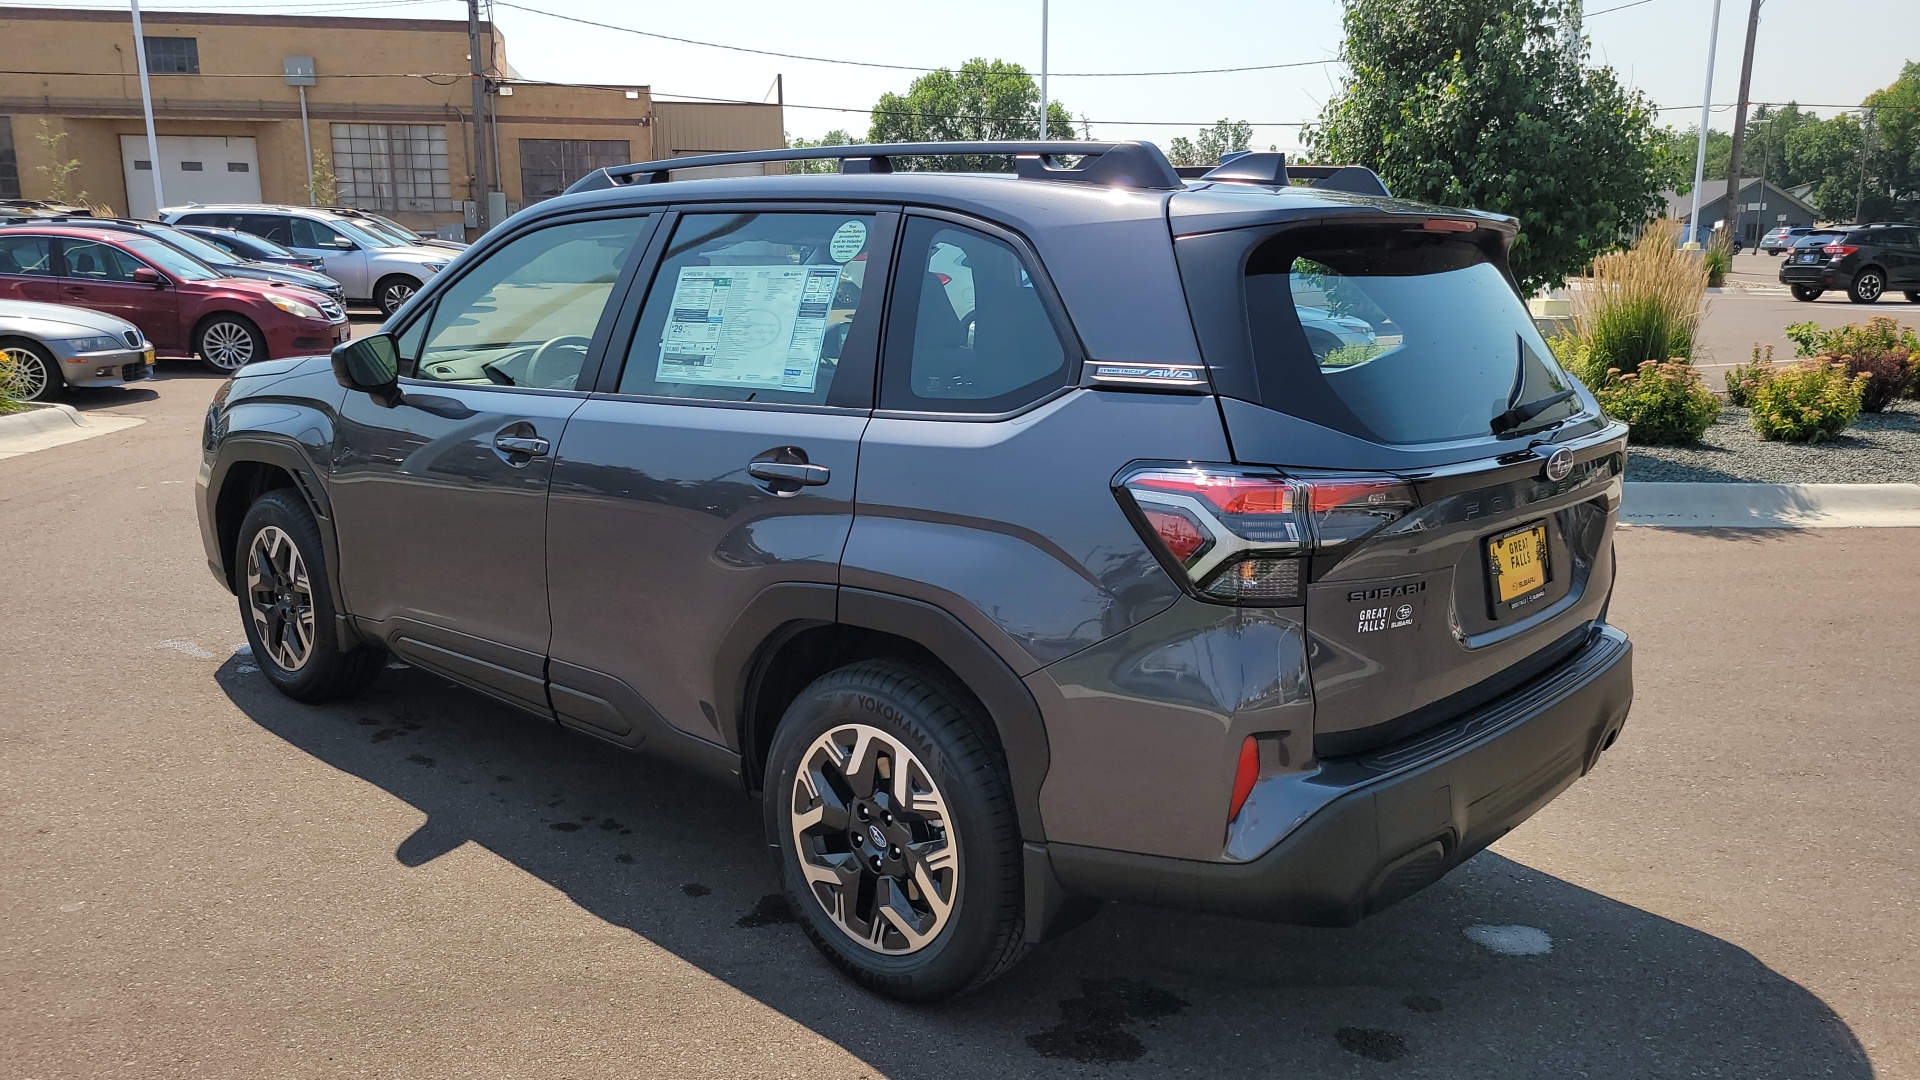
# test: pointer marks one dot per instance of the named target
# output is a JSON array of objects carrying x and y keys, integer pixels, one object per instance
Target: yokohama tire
[
  {"x": 929, "y": 731},
  {"x": 281, "y": 574}
]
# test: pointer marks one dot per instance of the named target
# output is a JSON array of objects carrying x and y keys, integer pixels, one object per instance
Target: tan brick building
[{"x": 388, "y": 112}]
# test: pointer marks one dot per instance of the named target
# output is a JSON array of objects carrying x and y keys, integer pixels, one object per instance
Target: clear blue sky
[{"x": 1658, "y": 46}]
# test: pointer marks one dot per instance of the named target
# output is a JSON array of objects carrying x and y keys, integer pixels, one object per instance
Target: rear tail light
[
  {"x": 1242, "y": 536},
  {"x": 1840, "y": 251},
  {"x": 944, "y": 279}
]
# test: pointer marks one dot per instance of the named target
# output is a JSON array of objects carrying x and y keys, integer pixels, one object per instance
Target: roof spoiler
[
  {"x": 1270, "y": 168},
  {"x": 1111, "y": 164}
]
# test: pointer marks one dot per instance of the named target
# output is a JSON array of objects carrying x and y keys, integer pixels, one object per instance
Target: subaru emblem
[
  {"x": 879, "y": 838},
  {"x": 1559, "y": 464}
]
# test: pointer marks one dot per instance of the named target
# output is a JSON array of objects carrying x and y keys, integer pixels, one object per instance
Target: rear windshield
[{"x": 1396, "y": 335}]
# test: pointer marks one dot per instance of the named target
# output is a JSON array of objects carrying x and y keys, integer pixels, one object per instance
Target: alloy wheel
[
  {"x": 26, "y": 374},
  {"x": 280, "y": 598},
  {"x": 395, "y": 294},
  {"x": 227, "y": 345},
  {"x": 875, "y": 841},
  {"x": 1869, "y": 286}
]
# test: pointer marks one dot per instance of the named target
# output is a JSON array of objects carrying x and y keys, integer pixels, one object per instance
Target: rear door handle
[
  {"x": 807, "y": 475},
  {"x": 520, "y": 444}
]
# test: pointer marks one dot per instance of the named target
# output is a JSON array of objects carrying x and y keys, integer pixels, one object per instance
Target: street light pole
[
  {"x": 146, "y": 107},
  {"x": 1043, "y": 68},
  {"x": 1706, "y": 113}
]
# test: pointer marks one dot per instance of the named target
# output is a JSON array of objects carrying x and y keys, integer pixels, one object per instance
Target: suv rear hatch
[
  {"x": 1808, "y": 258},
  {"x": 1459, "y": 488}
]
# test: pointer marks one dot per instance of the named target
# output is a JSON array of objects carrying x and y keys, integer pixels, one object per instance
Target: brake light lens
[
  {"x": 1840, "y": 251},
  {"x": 944, "y": 279},
  {"x": 1241, "y": 535}
]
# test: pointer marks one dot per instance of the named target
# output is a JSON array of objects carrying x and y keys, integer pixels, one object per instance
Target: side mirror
[
  {"x": 343, "y": 244},
  {"x": 370, "y": 365},
  {"x": 147, "y": 275}
]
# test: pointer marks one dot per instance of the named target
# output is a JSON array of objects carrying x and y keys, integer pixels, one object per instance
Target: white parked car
[
  {"x": 370, "y": 263},
  {"x": 49, "y": 347}
]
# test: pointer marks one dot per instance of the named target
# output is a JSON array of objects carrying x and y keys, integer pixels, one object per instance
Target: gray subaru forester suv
[{"x": 1024, "y": 541}]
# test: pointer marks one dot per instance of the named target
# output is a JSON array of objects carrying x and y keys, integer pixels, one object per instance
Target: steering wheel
[{"x": 551, "y": 368}]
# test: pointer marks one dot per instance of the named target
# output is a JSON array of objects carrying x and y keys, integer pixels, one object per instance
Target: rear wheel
[
  {"x": 1806, "y": 292},
  {"x": 227, "y": 342},
  {"x": 394, "y": 290},
  {"x": 1913, "y": 296},
  {"x": 29, "y": 371},
  {"x": 281, "y": 570},
  {"x": 1867, "y": 286},
  {"x": 890, "y": 813}
]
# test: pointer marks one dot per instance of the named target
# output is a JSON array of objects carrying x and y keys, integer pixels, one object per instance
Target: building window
[
  {"x": 9, "y": 165},
  {"x": 549, "y": 166},
  {"x": 173, "y": 56},
  {"x": 193, "y": 166},
  {"x": 238, "y": 166},
  {"x": 395, "y": 168}
]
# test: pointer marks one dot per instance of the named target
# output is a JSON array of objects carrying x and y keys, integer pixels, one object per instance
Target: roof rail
[
  {"x": 1116, "y": 164},
  {"x": 1270, "y": 168}
]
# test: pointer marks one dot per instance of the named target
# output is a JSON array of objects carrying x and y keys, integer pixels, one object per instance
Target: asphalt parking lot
[{"x": 205, "y": 879}]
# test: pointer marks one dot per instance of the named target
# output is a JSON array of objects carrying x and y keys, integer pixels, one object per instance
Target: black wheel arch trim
[{"x": 291, "y": 458}]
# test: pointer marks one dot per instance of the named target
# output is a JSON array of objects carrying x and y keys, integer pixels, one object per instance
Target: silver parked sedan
[{"x": 49, "y": 347}]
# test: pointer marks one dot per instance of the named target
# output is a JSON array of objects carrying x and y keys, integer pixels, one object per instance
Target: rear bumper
[{"x": 1393, "y": 821}]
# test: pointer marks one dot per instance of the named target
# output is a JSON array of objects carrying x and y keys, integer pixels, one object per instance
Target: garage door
[{"x": 193, "y": 168}]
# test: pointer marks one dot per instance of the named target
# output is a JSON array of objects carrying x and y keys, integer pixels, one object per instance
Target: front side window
[
  {"x": 173, "y": 56},
  {"x": 752, "y": 307},
  {"x": 969, "y": 331},
  {"x": 27, "y": 256},
  {"x": 1397, "y": 336},
  {"x": 527, "y": 313},
  {"x": 90, "y": 261}
]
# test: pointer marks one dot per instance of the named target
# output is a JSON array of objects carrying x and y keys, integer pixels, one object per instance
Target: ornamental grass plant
[
  {"x": 9, "y": 398},
  {"x": 1642, "y": 304}
]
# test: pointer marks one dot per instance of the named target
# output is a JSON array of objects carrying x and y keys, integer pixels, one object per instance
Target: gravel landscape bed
[{"x": 1881, "y": 448}]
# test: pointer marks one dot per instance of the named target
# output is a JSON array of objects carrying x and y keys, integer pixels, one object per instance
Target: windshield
[
  {"x": 211, "y": 254},
  {"x": 258, "y": 247},
  {"x": 1397, "y": 335},
  {"x": 177, "y": 264},
  {"x": 366, "y": 236},
  {"x": 391, "y": 227}
]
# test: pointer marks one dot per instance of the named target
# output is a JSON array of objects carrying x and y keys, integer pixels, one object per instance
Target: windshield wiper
[{"x": 1526, "y": 411}]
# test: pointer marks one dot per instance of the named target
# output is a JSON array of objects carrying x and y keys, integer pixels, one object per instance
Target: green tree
[
  {"x": 1215, "y": 142},
  {"x": 60, "y": 168},
  {"x": 1893, "y": 181},
  {"x": 984, "y": 100},
  {"x": 836, "y": 137},
  {"x": 1487, "y": 103}
]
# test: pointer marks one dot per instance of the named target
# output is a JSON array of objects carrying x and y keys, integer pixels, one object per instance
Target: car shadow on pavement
[{"x": 1137, "y": 991}]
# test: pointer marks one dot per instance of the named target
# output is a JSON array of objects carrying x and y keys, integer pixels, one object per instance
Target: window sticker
[
  {"x": 847, "y": 241},
  {"x": 759, "y": 327}
]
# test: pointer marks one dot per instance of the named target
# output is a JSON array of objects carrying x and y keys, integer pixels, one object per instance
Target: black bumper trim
[{"x": 1374, "y": 844}]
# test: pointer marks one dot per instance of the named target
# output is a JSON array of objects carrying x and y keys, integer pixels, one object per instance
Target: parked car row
[
  {"x": 1865, "y": 261},
  {"x": 91, "y": 301}
]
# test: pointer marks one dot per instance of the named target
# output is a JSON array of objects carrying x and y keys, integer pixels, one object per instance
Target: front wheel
[
  {"x": 28, "y": 372},
  {"x": 227, "y": 342},
  {"x": 394, "y": 290},
  {"x": 891, "y": 815},
  {"x": 1806, "y": 292},
  {"x": 1866, "y": 287},
  {"x": 280, "y": 569}
]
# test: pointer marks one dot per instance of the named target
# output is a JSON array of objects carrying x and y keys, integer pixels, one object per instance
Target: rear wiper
[{"x": 1526, "y": 411}]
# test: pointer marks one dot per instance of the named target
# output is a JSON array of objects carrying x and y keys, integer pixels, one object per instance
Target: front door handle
[
  {"x": 521, "y": 444},
  {"x": 787, "y": 472}
]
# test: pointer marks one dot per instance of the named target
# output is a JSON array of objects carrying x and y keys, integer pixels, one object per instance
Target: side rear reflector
[{"x": 1243, "y": 777}]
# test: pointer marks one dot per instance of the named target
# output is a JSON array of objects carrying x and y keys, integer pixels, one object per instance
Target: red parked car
[{"x": 183, "y": 307}]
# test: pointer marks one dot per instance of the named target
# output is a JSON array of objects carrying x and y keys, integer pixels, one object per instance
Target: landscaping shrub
[
  {"x": 1889, "y": 373},
  {"x": 1641, "y": 304},
  {"x": 1743, "y": 378},
  {"x": 1664, "y": 403},
  {"x": 1878, "y": 333},
  {"x": 9, "y": 400},
  {"x": 1718, "y": 258},
  {"x": 1812, "y": 400}
]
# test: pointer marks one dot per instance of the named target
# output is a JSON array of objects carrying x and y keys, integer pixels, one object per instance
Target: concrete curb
[
  {"x": 42, "y": 427},
  {"x": 1772, "y": 506}
]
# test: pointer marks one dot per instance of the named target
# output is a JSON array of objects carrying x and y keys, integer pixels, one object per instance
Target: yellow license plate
[
  {"x": 147, "y": 357},
  {"x": 1518, "y": 562}
]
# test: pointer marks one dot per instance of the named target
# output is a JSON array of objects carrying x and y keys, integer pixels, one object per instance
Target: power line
[
  {"x": 894, "y": 67},
  {"x": 1617, "y": 7}
]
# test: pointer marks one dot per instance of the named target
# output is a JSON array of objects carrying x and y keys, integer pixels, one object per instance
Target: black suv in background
[
  {"x": 1867, "y": 261},
  {"x": 1024, "y": 541}
]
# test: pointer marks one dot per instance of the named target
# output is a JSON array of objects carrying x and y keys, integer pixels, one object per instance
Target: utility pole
[
  {"x": 1706, "y": 113},
  {"x": 1866, "y": 140},
  {"x": 481, "y": 185},
  {"x": 1740, "y": 116},
  {"x": 1043, "y": 68}
]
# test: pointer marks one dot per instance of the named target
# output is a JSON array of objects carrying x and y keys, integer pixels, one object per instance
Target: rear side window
[
  {"x": 1395, "y": 336},
  {"x": 969, "y": 331},
  {"x": 753, "y": 307},
  {"x": 30, "y": 256}
]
